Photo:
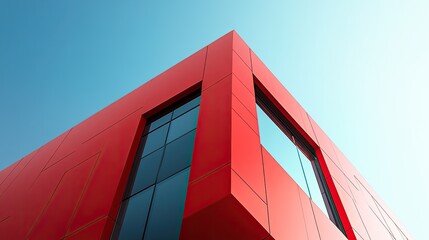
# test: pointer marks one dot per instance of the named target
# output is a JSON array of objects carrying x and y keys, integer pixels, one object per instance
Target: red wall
[{"x": 72, "y": 186}]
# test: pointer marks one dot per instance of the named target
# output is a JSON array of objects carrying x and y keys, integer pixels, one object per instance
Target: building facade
[{"x": 213, "y": 148}]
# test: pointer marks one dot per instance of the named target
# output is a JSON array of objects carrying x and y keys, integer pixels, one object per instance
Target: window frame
[
  {"x": 298, "y": 140},
  {"x": 127, "y": 194}
]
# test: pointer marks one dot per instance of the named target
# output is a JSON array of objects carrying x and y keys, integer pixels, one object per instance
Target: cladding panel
[{"x": 236, "y": 191}]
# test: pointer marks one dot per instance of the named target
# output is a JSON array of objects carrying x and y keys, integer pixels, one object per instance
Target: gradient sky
[{"x": 360, "y": 68}]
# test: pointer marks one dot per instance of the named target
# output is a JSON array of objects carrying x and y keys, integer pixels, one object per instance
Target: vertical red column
[{"x": 226, "y": 195}]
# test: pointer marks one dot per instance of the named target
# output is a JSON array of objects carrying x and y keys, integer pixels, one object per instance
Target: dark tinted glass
[
  {"x": 155, "y": 140},
  {"x": 177, "y": 156},
  {"x": 136, "y": 215},
  {"x": 147, "y": 171},
  {"x": 159, "y": 122},
  {"x": 165, "y": 218},
  {"x": 183, "y": 124},
  {"x": 189, "y": 105},
  {"x": 160, "y": 176}
]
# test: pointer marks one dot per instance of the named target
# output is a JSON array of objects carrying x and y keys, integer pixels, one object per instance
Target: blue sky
[{"x": 360, "y": 68}]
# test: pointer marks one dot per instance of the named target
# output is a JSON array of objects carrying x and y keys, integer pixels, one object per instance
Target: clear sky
[{"x": 360, "y": 68}]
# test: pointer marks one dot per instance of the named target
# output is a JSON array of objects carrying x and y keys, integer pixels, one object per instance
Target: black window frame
[{"x": 127, "y": 195}]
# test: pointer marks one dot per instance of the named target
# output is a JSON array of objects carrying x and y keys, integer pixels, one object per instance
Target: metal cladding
[{"x": 72, "y": 187}]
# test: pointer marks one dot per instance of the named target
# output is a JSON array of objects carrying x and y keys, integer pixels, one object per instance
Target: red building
[{"x": 213, "y": 148}]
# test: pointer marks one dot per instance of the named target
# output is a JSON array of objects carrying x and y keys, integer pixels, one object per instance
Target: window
[
  {"x": 294, "y": 155},
  {"x": 153, "y": 205}
]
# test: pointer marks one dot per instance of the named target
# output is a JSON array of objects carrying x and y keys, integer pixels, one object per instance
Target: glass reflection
[
  {"x": 155, "y": 140},
  {"x": 313, "y": 185},
  {"x": 165, "y": 218},
  {"x": 290, "y": 157},
  {"x": 183, "y": 124},
  {"x": 161, "y": 121},
  {"x": 187, "y": 106},
  {"x": 281, "y": 148},
  {"x": 147, "y": 171},
  {"x": 159, "y": 187},
  {"x": 137, "y": 208},
  {"x": 177, "y": 156}
]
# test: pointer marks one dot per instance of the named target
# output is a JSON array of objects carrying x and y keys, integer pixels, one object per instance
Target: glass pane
[
  {"x": 177, "y": 156},
  {"x": 162, "y": 120},
  {"x": 155, "y": 140},
  {"x": 187, "y": 106},
  {"x": 165, "y": 218},
  {"x": 135, "y": 215},
  {"x": 183, "y": 124},
  {"x": 147, "y": 170},
  {"x": 281, "y": 148},
  {"x": 312, "y": 183}
]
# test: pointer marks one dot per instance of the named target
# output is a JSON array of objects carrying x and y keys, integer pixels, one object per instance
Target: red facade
[{"x": 72, "y": 187}]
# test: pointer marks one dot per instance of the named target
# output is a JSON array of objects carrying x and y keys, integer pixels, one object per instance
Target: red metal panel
[
  {"x": 310, "y": 221},
  {"x": 284, "y": 204},
  {"x": 249, "y": 200},
  {"x": 337, "y": 174},
  {"x": 100, "y": 229},
  {"x": 10, "y": 174},
  {"x": 369, "y": 210},
  {"x": 26, "y": 198},
  {"x": 364, "y": 200},
  {"x": 219, "y": 61},
  {"x": 166, "y": 88},
  {"x": 86, "y": 150},
  {"x": 246, "y": 157},
  {"x": 245, "y": 114},
  {"x": 7, "y": 171},
  {"x": 345, "y": 165},
  {"x": 225, "y": 219},
  {"x": 352, "y": 213},
  {"x": 241, "y": 48},
  {"x": 327, "y": 230},
  {"x": 308, "y": 129},
  {"x": 208, "y": 190},
  {"x": 213, "y": 137},
  {"x": 211, "y": 212},
  {"x": 242, "y": 72},
  {"x": 374, "y": 225},
  {"x": 101, "y": 191},
  {"x": 335, "y": 196},
  {"x": 244, "y": 95},
  {"x": 324, "y": 141},
  {"x": 229, "y": 195},
  {"x": 27, "y": 204},
  {"x": 53, "y": 222},
  {"x": 28, "y": 169}
]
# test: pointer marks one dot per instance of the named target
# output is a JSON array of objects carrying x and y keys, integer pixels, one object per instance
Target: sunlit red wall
[{"x": 72, "y": 187}]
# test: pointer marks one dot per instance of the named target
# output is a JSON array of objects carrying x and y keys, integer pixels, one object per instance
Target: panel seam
[
  {"x": 249, "y": 186},
  {"x": 265, "y": 187}
]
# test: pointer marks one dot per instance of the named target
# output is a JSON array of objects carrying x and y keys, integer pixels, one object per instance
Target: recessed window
[
  {"x": 183, "y": 124},
  {"x": 294, "y": 155},
  {"x": 134, "y": 221},
  {"x": 165, "y": 218},
  {"x": 177, "y": 155},
  {"x": 147, "y": 171},
  {"x": 155, "y": 140},
  {"x": 153, "y": 205}
]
